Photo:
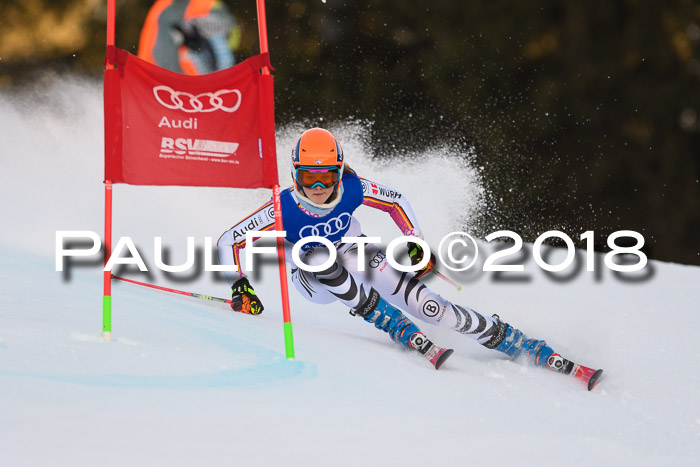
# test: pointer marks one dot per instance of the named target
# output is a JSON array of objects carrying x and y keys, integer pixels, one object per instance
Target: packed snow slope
[{"x": 187, "y": 382}]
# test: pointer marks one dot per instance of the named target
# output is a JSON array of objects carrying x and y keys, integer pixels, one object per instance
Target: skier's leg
[
  {"x": 412, "y": 295},
  {"x": 336, "y": 283},
  {"x": 403, "y": 291},
  {"x": 309, "y": 287},
  {"x": 514, "y": 343},
  {"x": 389, "y": 319}
]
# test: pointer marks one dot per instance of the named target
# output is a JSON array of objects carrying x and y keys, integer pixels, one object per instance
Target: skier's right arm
[{"x": 229, "y": 247}]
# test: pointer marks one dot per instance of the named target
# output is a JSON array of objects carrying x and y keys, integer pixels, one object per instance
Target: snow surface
[{"x": 187, "y": 382}]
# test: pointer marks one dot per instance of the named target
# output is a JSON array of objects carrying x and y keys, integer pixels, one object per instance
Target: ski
[
  {"x": 434, "y": 353},
  {"x": 437, "y": 355},
  {"x": 589, "y": 376}
]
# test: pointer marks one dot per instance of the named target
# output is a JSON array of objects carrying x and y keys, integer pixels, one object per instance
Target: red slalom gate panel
[{"x": 164, "y": 128}]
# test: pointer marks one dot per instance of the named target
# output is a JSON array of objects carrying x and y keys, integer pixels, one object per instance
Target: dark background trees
[{"x": 581, "y": 115}]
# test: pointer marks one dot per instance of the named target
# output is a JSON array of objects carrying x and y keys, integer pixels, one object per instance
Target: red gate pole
[
  {"x": 107, "y": 296},
  {"x": 288, "y": 336}
]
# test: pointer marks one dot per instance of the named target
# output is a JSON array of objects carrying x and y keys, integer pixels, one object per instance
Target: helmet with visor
[{"x": 317, "y": 160}]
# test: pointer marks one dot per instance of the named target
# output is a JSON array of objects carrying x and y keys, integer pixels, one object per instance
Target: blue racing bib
[{"x": 333, "y": 226}]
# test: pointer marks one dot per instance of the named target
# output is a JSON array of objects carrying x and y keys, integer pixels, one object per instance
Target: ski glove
[
  {"x": 244, "y": 299},
  {"x": 416, "y": 253}
]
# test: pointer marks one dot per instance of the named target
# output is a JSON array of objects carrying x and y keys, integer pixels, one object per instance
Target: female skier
[{"x": 325, "y": 194}]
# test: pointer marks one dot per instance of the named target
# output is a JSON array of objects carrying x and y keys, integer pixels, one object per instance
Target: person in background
[{"x": 193, "y": 37}]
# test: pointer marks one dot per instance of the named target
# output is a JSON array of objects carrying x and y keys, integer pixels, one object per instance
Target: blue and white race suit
[{"x": 344, "y": 281}]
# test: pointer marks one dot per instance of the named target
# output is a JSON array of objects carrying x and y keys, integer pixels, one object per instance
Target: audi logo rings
[
  {"x": 205, "y": 102},
  {"x": 323, "y": 229},
  {"x": 376, "y": 261}
]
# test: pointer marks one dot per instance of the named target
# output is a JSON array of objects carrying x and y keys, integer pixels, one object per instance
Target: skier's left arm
[
  {"x": 385, "y": 199},
  {"x": 391, "y": 201}
]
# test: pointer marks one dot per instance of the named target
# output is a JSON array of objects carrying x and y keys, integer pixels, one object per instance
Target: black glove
[
  {"x": 416, "y": 253},
  {"x": 244, "y": 299}
]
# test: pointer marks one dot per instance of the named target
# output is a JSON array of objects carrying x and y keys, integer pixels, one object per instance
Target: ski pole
[
  {"x": 166, "y": 289},
  {"x": 446, "y": 279}
]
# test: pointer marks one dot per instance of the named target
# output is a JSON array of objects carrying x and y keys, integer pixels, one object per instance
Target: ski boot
[
  {"x": 389, "y": 319},
  {"x": 514, "y": 343}
]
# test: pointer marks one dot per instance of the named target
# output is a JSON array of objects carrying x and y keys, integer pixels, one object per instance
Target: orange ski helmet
[{"x": 317, "y": 160}]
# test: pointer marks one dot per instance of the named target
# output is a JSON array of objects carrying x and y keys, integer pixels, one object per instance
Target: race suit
[{"x": 344, "y": 281}]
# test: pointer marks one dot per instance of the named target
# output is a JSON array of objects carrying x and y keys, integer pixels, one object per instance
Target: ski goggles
[{"x": 311, "y": 177}]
